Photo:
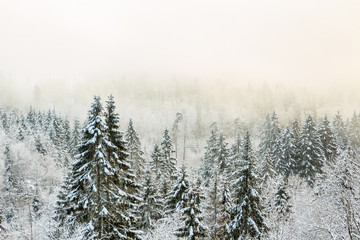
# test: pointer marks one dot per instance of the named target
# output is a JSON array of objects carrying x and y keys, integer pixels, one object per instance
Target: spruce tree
[
  {"x": 327, "y": 139},
  {"x": 208, "y": 161},
  {"x": 287, "y": 154},
  {"x": 150, "y": 208},
  {"x": 312, "y": 156},
  {"x": 354, "y": 132},
  {"x": 75, "y": 137},
  {"x": 221, "y": 154},
  {"x": 269, "y": 142},
  {"x": 178, "y": 198},
  {"x": 167, "y": 152},
  {"x": 133, "y": 146},
  {"x": 246, "y": 213},
  {"x": 157, "y": 164},
  {"x": 193, "y": 227},
  {"x": 340, "y": 132},
  {"x": 175, "y": 130},
  {"x": 100, "y": 194},
  {"x": 121, "y": 180},
  {"x": 234, "y": 154}
]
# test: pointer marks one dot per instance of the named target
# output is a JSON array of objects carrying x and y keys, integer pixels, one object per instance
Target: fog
[{"x": 227, "y": 58}]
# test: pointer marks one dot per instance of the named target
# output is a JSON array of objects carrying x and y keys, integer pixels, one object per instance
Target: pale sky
[{"x": 240, "y": 40}]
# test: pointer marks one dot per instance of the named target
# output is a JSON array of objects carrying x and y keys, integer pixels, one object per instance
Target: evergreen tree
[
  {"x": 178, "y": 198},
  {"x": 175, "y": 130},
  {"x": 221, "y": 154},
  {"x": 192, "y": 228},
  {"x": 282, "y": 205},
  {"x": 39, "y": 146},
  {"x": 101, "y": 185},
  {"x": 213, "y": 208},
  {"x": 312, "y": 156},
  {"x": 287, "y": 155},
  {"x": 269, "y": 142},
  {"x": 225, "y": 209},
  {"x": 167, "y": 151},
  {"x": 246, "y": 217},
  {"x": 121, "y": 180},
  {"x": 354, "y": 132},
  {"x": 340, "y": 132},
  {"x": 234, "y": 154},
  {"x": 157, "y": 164},
  {"x": 151, "y": 206},
  {"x": 208, "y": 160},
  {"x": 75, "y": 137},
  {"x": 133, "y": 145},
  {"x": 327, "y": 139}
]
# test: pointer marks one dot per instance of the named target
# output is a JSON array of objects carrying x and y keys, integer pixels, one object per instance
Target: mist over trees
[{"x": 273, "y": 178}]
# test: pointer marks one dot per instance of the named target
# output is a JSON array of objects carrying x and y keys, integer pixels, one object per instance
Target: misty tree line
[{"x": 112, "y": 190}]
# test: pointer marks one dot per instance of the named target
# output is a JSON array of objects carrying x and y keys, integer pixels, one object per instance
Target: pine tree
[
  {"x": 225, "y": 209},
  {"x": 101, "y": 184},
  {"x": 175, "y": 130},
  {"x": 208, "y": 160},
  {"x": 120, "y": 180},
  {"x": 178, "y": 198},
  {"x": 192, "y": 220},
  {"x": 133, "y": 146},
  {"x": 287, "y": 155},
  {"x": 157, "y": 164},
  {"x": 354, "y": 132},
  {"x": 234, "y": 154},
  {"x": 246, "y": 217},
  {"x": 151, "y": 206},
  {"x": 221, "y": 154},
  {"x": 75, "y": 137},
  {"x": 213, "y": 208},
  {"x": 39, "y": 146},
  {"x": 67, "y": 135},
  {"x": 269, "y": 141},
  {"x": 295, "y": 129},
  {"x": 282, "y": 205},
  {"x": 327, "y": 139},
  {"x": 312, "y": 156},
  {"x": 167, "y": 151},
  {"x": 340, "y": 132}
]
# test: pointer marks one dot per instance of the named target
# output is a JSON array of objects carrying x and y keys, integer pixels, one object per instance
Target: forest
[{"x": 72, "y": 178}]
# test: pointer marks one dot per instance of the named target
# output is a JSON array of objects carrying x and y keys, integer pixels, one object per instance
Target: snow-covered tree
[
  {"x": 150, "y": 207},
  {"x": 133, "y": 146},
  {"x": 178, "y": 198},
  {"x": 175, "y": 131},
  {"x": 75, "y": 137},
  {"x": 208, "y": 161},
  {"x": 287, "y": 154},
  {"x": 354, "y": 132},
  {"x": 101, "y": 184},
  {"x": 269, "y": 141},
  {"x": 234, "y": 154},
  {"x": 167, "y": 152},
  {"x": 247, "y": 219},
  {"x": 221, "y": 154},
  {"x": 312, "y": 156},
  {"x": 157, "y": 164},
  {"x": 192, "y": 227},
  {"x": 327, "y": 139},
  {"x": 340, "y": 132}
]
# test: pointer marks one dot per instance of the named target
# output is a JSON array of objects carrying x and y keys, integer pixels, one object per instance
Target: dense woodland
[{"x": 69, "y": 179}]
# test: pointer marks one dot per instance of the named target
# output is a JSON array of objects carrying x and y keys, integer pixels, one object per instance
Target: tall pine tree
[{"x": 246, "y": 213}]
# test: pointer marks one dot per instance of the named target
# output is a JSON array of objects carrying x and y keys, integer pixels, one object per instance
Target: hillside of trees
[{"x": 93, "y": 178}]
